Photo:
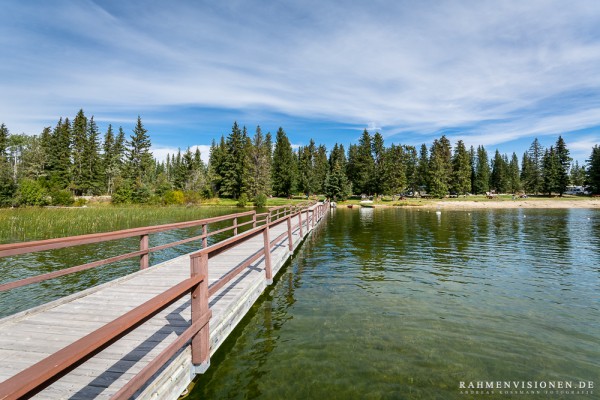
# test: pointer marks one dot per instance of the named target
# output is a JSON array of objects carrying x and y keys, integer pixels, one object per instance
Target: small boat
[
  {"x": 367, "y": 204},
  {"x": 350, "y": 205}
]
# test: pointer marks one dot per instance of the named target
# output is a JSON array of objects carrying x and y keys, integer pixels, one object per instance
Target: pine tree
[
  {"x": 564, "y": 163},
  {"x": 482, "y": 172},
  {"x": 379, "y": 166},
  {"x": 306, "y": 170},
  {"x": 139, "y": 158},
  {"x": 216, "y": 165},
  {"x": 514, "y": 174},
  {"x": 60, "y": 155},
  {"x": 92, "y": 173},
  {"x": 531, "y": 172},
  {"x": 461, "y": 169},
  {"x": 283, "y": 174},
  {"x": 422, "y": 178},
  {"x": 438, "y": 168},
  {"x": 411, "y": 166},
  {"x": 337, "y": 185},
  {"x": 499, "y": 177},
  {"x": 260, "y": 165},
  {"x": 338, "y": 155},
  {"x": 79, "y": 143},
  {"x": 7, "y": 184},
  {"x": 235, "y": 169},
  {"x": 550, "y": 171},
  {"x": 321, "y": 169},
  {"x": 593, "y": 170},
  {"x": 577, "y": 177},
  {"x": 393, "y": 181}
]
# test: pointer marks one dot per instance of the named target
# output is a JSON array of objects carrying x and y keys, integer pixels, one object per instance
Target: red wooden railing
[{"x": 48, "y": 370}]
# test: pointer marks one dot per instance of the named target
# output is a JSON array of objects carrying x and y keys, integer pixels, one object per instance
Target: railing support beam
[
  {"x": 144, "y": 258},
  {"x": 199, "y": 302},
  {"x": 267, "y": 243}
]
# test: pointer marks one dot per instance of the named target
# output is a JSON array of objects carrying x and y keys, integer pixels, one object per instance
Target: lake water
[
  {"x": 407, "y": 304},
  {"x": 37, "y": 224}
]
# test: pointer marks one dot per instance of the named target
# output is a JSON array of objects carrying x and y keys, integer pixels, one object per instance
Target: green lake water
[
  {"x": 377, "y": 303},
  {"x": 28, "y": 224},
  {"x": 406, "y": 304}
]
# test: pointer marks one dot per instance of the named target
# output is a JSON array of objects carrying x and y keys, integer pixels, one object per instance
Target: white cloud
[{"x": 501, "y": 70}]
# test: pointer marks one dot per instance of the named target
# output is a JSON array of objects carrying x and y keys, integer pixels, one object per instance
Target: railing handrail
[
  {"x": 38, "y": 376},
  {"x": 42, "y": 373}
]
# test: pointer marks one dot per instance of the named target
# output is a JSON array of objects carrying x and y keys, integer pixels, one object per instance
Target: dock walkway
[{"x": 31, "y": 336}]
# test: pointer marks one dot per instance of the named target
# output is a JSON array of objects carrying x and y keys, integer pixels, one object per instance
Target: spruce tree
[
  {"x": 60, "y": 155},
  {"x": 411, "y": 166},
  {"x": 593, "y": 170},
  {"x": 306, "y": 170},
  {"x": 216, "y": 166},
  {"x": 422, "y": 178},
  {"x": 379, "y": 164},
  {"x": 499, "y": 177},
  {"x": 93, "y": 171},
  {"x": 482, "y": 172},
  {"x": 577, "y": 176},
  {"x": 393, "y": 179},
  {"x": 235, "y": 170},
  {"x": 550, "y": 171},
  {"x": 438, "y": 168},
  {"x": 531, "y": 173},
  {"x": 79, "y": 142},
  {"x": 321, "y": 165},
  {"x": 283, "y": 174},
  {"x": 139, "y": 158},
  {"x": 564, "y": 163},
  {"x": 514, "y": 174},
  {"x": 7, "y": 184},
  {"x": 337, "y": 185},
  {"x": 461, "y": 169}
]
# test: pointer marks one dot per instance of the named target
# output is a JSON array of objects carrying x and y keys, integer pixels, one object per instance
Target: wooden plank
[{"x": 34, "y": 334}]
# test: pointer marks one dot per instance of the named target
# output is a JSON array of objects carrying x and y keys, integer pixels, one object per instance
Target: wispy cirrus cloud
[{"x": 491, "y": 72}]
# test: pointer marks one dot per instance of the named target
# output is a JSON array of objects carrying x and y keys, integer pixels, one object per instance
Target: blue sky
[{"x": 497, "y": 73}]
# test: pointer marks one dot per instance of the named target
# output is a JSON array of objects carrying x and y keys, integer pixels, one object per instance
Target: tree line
[{"x": 72, "y": 159}]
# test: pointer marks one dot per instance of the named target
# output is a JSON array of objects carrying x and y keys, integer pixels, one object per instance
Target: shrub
[
  {"x": 260, "y": 200},
  {"x": 61, "y": 197},
  {"x": 173, "y": 197},
  {"x": 242, "y": 200},
  {"x": 80, "y": 202},
  {"x": 122, "y": 193},
  {"x": 192, "y": 197},
  {"x": 31, "y": 193}
]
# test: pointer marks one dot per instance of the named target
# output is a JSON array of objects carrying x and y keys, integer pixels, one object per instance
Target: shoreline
[{"x": 592, "y": 203}]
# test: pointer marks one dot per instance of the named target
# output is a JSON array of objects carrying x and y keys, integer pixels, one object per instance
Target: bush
[
  {"x": 61, "y": 197},
  {"x": 122, "y": 193},
  {"x": 192, "y": 197},
  {"x": 242, "y": 200},
  {"x": 140, "y": 194},
  {"x": 260, "y": 200},
  {"x": 80, "y": 202},
  {"x": 31, "y": 193},
  {"x": 173, "y": 197}
]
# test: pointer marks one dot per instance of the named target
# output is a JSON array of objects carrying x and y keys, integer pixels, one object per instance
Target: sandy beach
[{"x": 519, "y": 203}]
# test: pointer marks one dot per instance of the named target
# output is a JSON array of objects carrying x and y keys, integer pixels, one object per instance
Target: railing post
[
  {"x": 144, "y": 258},
  {"x": 205, "y": 238},
  {"x": 290, "y": 241},
  {"x": 199, "y": 302},
  {"x": 267, "y": 242},
  {"x": 254, "y": 220},
  {"x": 300, "y": 223},
  {"x": 235, "y": 226}
]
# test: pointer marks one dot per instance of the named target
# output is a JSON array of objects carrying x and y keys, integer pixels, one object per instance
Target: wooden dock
[{"x": 146, "y": 335}]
